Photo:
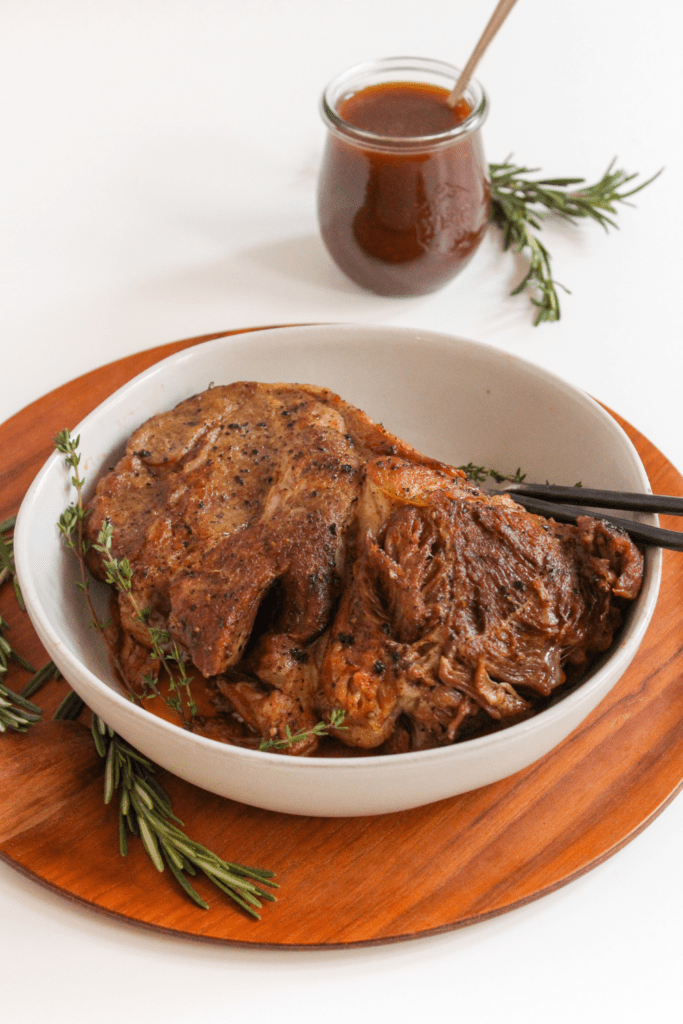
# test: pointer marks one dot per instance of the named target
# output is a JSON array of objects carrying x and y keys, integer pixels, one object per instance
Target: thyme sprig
[
  {"x": 478, "y": 474},
  {"x": 144, "y": 806},
  {"x": 517, "y": 208},
  {"x": 319, "y": 729},
  {"x": 120, "y": 575},
  {"x": 145, "y": 811}
]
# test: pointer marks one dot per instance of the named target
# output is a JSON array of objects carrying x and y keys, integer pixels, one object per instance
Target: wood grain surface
[{"x": 344, "y": 882}]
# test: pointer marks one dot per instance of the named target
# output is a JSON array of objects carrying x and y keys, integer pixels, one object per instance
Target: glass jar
[{"x": 403, "y": 196}]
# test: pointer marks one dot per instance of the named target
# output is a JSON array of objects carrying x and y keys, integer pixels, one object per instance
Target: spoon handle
[{"x": 497, "y": 18}]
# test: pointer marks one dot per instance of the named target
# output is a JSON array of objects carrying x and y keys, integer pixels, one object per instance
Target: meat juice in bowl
[{"x": 403, "y": 197}]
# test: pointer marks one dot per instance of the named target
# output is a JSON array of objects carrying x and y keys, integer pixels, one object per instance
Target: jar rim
[{"x": 361, "y": 76}]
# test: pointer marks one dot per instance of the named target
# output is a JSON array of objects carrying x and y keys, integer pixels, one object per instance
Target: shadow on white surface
[{"x": 302, "y": 259}]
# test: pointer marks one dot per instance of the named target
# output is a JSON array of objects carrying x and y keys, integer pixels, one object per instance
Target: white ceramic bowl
[{"x": 452, "y": 399}]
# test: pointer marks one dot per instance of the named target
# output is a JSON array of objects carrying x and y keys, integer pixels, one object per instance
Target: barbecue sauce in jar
[{"x": 403, "y": 199}]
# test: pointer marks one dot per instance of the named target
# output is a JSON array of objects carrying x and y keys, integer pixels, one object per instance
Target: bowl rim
[{"x": 69, "y": 664}]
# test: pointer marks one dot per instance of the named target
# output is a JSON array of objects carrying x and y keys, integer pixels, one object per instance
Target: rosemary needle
[
  {"x": 40, "y": 678},
  {"x": 70, "y": 708}
]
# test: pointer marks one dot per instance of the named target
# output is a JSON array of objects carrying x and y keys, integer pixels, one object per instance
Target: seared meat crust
[
  {"x": 306, "y": 561},
  {"x": 462, "y": 603}
]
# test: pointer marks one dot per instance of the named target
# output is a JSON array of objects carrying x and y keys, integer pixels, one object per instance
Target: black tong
[{"x": 561, "y": 503}]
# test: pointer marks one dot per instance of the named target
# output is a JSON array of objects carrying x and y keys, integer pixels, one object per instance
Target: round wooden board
[{"x": 349, "y": 881}]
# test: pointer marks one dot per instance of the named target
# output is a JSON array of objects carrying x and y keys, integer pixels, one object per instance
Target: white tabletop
[{"x": 158, "y": 182}]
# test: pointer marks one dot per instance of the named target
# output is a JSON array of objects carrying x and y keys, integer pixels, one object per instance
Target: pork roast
[{"x": 306, "y": 561}]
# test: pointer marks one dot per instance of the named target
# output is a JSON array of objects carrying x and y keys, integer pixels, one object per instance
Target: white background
[{"x": 157, "y": 181}]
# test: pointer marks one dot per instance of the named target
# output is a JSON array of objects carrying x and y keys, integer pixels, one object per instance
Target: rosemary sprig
[
  {"x": 16, "y": 712},
  {"x": 145, "y": 811},
  {"x": 319, "y": 729},
  {"x": 7, "y": 652},
  {"x": 119, "y": 575},
  {"x": 517, "y": 205},
  {"x": 7, "y": 568}
]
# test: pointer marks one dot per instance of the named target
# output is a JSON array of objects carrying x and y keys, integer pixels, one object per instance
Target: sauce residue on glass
[{"x": 403, "y": 217}]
